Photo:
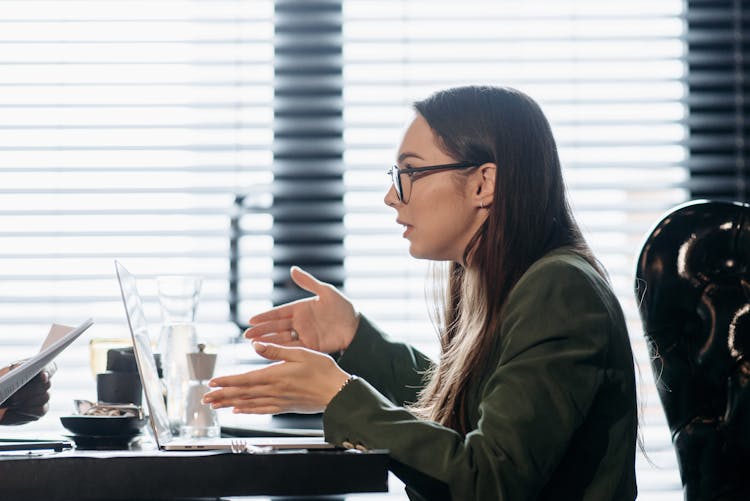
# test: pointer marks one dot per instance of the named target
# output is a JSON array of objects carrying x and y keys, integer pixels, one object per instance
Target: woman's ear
[{"x": 485, "y": 185}]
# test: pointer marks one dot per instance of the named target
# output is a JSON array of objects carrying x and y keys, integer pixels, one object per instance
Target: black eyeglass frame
[{"x": 395, "y": 174}]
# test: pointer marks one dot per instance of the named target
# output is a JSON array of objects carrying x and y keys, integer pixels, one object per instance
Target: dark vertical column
[
  {"x": 308, "y": 208},
  {"x": 718, "y": 91}
]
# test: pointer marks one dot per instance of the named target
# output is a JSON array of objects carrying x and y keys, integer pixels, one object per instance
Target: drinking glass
[
  {"x": 98, "y": 348},
  {"x": 178, "y": 297}
]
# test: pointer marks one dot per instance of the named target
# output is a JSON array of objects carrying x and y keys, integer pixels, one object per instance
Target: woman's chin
[
  {"x": 420, "y": 253},
  {"x": 416, "y": 252}
]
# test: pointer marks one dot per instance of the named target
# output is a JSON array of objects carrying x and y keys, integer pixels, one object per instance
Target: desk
[{"x": 151, "y": 475}]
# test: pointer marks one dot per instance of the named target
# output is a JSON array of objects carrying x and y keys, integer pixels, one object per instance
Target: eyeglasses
[{"x": 403, "y": 188}]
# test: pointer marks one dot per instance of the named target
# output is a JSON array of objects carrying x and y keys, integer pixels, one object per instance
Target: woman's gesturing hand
[
  {"x": 302, "y": 381},
  {"x": 325, "y": 323}
]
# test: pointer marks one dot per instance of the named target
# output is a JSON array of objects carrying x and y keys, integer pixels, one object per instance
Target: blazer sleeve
[
  {"x": 394, "y": 369},
  {"x": 554, "y": 339}
]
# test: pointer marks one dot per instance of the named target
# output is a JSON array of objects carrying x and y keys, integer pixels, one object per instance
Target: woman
[{"x": 534, "y": 395}]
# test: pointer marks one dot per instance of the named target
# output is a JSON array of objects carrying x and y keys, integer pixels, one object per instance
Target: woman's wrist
[
  {"x": 345, "y": 383},
  {"x": 353, "y": 330},
  {"x": 338, "y": 385}
]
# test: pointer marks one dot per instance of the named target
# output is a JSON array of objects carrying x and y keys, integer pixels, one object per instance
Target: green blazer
[{"x": 555, "y": 420}]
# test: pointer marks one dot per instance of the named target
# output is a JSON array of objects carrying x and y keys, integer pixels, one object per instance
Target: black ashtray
[
  {"x": 103, "y": 432},
  {"x": 103, "y": 426},
  {"x": 105, "y": 443}
]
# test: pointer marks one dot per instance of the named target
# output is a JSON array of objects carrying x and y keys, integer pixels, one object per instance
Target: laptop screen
[{"x": 144, "y": 355}]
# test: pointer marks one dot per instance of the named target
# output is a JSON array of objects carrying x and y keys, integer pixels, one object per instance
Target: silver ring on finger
[{"x": 295, "y": 335}]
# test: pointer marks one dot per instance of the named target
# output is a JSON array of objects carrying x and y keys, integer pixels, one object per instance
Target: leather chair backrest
[{"x": 693, "y": 288}]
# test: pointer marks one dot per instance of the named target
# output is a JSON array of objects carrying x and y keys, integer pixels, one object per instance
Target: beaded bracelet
[{"x": 349, "y": 380}]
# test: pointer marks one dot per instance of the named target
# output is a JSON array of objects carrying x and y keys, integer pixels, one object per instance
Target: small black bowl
[
  {"x": 103, "y": 426},
  {"x": 94, "y": 443}
]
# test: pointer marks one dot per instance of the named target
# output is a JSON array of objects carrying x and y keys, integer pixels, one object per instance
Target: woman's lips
[{"x": 407, "y": 228}]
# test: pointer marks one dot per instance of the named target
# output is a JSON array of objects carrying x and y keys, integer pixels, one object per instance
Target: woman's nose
[{"x": 391, "y": 199}]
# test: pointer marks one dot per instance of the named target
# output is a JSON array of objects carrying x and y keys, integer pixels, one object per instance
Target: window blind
[
  {"x": 308, "y": 206},
  {"x": 611, "y": 79},
  {"x": 126, "y": 130},
  {"x": 129, "y": 129},
  {"x": 718, "y": 49}
]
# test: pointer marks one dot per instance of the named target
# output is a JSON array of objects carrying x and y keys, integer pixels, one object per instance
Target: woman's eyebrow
[{"x": 407, "y": 154}]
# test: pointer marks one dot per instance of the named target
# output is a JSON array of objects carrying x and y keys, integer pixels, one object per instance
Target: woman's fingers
[
  {"x": 284, "y": 338},
  {"x": 266, "y": 375},
  {"x": 301, "y": 380},
  {"x": 259, "y": 406},
  {"x": 258, "y": 410},
  {"x": 269, "y": 327},
  {"x": 257, "y": 377},
  {"x": 280, "y": 313},
  {"x": 233, "y": 396},
  {"x": 278, "y": 352},
  {"x": 306, "y": 281},
  {"x": 251, "y": 378}
]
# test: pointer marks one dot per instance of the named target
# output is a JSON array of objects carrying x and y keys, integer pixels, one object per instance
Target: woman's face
[{"x": 441, "y": 215}]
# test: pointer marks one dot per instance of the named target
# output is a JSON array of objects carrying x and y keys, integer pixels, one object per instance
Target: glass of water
[{"x": 178, "y": 297}]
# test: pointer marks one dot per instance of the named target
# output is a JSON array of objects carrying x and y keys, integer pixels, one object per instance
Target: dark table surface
[{"x": 155, "y": 475}]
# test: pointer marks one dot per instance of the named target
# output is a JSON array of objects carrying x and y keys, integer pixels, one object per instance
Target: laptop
[{"x": 158, "y": 418}]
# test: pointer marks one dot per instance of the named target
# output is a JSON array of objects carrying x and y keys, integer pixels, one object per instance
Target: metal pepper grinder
[{"x": 201, "y": 420}]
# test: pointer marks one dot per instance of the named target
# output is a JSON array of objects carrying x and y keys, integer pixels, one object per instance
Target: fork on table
[{"x": 241, "y": 447}]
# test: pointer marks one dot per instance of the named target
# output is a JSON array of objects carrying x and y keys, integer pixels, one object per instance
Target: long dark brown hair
[{"x": 529, "y": 217}]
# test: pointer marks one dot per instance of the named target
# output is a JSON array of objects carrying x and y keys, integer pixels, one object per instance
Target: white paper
[
  {"x": 12, "y": 380},
  {"x": 56, "y": 332}
]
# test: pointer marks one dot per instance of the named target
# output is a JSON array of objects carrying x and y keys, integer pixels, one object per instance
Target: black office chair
[{"x": 693, "y": 284}]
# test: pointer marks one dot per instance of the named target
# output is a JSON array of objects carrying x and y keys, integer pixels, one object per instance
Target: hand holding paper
[
  {"x": 24, "y": 386},
  {"x": 29, "y": 403}
]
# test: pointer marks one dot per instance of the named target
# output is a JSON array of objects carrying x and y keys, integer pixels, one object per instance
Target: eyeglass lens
[{"x": 396, "y": 178}]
